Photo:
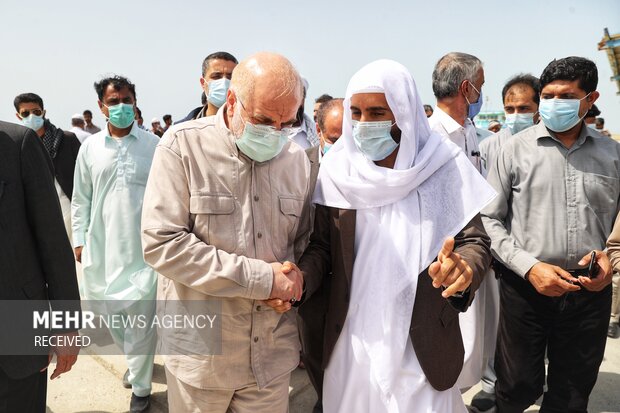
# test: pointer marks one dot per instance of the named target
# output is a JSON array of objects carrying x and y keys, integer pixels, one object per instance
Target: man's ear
[
  {"x": 463, "y": 87},
  {"x": 231, "y": 99},
  {"x": 593, "y": 97}
]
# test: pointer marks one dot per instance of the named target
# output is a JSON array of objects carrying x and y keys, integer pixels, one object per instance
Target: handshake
[{"x": 288, "y": 286}]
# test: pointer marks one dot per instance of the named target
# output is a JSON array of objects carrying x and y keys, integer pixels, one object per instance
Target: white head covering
[
  {"x": 404, "y": 215},
  {"x": 347, "y": 179}
]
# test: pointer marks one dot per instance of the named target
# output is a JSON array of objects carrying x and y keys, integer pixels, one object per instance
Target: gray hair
[{"x": 451, "y": 70}]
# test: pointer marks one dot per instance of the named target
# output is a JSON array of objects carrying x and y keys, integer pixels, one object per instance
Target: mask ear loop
[
  {"x": 475, "y": 88},
  {"x": 465, "y": 94},
  {"x": 584, "y": 115}
]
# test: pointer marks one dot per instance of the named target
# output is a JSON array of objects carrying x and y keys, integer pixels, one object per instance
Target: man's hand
[
  {"x": 450, "y": 270},
  {"x": 278, "y": 305},
  {"x": 551, "y": 280},
  {"x": 604, "y": 276},
  {"x": 78, "y": 253},
  {"x": 66, "y": 356},
  {"x": 288, "y": 281}
]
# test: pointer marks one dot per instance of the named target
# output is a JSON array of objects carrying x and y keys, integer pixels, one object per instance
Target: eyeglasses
[
  {"x": 26, "y": 113},
  {"x": 287, "y": 131}
]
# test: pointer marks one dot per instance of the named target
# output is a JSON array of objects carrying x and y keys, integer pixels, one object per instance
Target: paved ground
[{"x": 94, "y": 386}]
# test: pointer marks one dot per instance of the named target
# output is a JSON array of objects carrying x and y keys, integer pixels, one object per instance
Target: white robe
[
  {"x": 403, "y": 216},
  {"x": 349, "y": 384}
]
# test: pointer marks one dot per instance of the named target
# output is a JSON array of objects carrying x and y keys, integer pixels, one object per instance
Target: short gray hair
[{"x": 451, "y": 70}]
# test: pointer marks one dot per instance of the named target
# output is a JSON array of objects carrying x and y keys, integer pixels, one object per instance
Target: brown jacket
[{"x": 434, "y": 330}]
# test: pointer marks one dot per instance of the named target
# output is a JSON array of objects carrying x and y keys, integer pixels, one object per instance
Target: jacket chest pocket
[
  {"x": 285, "y": 222},
  {"x": 214, "y": 219}
]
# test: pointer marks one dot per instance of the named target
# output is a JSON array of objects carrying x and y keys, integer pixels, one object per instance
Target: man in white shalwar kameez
[
  {"x": 390, "y": 198},
  {"x": 110, "y": 179}
]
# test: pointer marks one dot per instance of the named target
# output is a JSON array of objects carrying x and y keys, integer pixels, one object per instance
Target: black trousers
[
  {"x": 311, "y": 322},
  {"x": 572, "y": 331},
  {"x": 27, "y": 395}
]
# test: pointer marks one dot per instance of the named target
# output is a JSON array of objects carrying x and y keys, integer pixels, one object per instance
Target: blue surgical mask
[
  {"x": 326, "y": 147},
  {"x": 517, "y": 122},
  {"x": 474, "y": 108},
  {"x": 33, "y": 122},
  {"x": 373, "y": 139},
  {"x": 262, "y": 142},
  {"x": 217, "y": 91},
  {"x": 591, "y": 125},
  {"x": 121, "y": 115},
  {"x": 560, "y": 115}
]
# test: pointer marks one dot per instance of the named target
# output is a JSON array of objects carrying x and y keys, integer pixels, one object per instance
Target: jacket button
[
  {"x": 256, "y": 198},
  {"x": 258, "y": 308},
  {"x": 259, "y": 235},
  {"x": 256, "y": 339}
]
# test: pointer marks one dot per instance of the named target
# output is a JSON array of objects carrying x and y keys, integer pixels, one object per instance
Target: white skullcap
[
  {"x": 155, "y": 120},
  {"x": 77, "y": 116}
]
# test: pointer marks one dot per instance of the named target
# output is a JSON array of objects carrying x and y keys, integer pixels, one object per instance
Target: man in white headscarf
[{"x": 390, "y": 196}]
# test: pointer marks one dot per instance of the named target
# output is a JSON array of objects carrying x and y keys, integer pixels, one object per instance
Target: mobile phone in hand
[{"x": 593, "y": 268}]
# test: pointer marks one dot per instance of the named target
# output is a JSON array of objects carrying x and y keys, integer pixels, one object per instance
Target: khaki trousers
[{"x": 183, "y": 398}]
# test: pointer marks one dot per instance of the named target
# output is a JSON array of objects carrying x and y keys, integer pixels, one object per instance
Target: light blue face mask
[
  {"x": 33, "y": 122},
  {"x": 326, "y": 147},
  {"x": 517, "y": 122},
  {"x": 217, "y": 91},
  {"x": 263, "y": 142},
  {"x": 121, "y": 115},
  {"x": 560, "y": 115},
  {"x": 474, "y": 108},
  {"x": 373, "y": 139}
]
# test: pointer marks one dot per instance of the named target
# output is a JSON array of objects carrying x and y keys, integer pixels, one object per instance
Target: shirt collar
[
  {"x": 449, "y": 124},
  {"x": 543, "y": 132},
  {"x": 132, "y": 133}
]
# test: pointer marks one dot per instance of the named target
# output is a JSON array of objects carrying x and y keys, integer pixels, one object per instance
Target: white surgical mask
[
  {"x": 516, "y": 122},
  {"x": 373, "y": 139}
]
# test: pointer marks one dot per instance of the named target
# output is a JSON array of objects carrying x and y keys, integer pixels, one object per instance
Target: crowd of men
[{"x": 405, "y": 254}]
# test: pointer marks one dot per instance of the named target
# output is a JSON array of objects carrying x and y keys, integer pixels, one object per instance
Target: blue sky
[{"x": 57, "y": 49}]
